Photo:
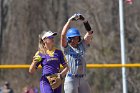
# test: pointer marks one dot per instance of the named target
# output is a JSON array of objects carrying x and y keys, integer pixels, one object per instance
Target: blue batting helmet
[{"x": 72, "y": 32}]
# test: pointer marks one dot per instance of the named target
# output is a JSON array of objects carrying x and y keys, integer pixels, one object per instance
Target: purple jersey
[{"x": 51, "y": 63}]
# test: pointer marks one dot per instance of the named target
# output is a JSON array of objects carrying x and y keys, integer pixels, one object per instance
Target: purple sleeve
[
  {"x": 37, "y": 65},
  {"x": 62, "y": 58}
]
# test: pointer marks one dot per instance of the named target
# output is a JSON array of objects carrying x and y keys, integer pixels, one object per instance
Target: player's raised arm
[
  {"x": 65, "y": 29},
  {"x": 89, "y": 34}
]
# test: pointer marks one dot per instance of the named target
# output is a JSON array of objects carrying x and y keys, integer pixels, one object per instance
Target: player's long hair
[{"x": 41, "y": 45}]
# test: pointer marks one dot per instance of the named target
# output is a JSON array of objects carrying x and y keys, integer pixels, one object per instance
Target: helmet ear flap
[
  {"x": 68, "y": 39},
  {"x": 79, "y": 38}
]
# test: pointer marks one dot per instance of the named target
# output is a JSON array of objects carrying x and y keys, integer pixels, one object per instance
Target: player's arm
[
  {"x": 32, "y": 67},
  {"x": 35, "y": 63},
  {"x": 63, "y": 34},
  {"x": 64, "y": 71},
  {"x": 64, "y": 63},
  {"x": 88, "y": 36},
  {"x": 65, "y": 29}
]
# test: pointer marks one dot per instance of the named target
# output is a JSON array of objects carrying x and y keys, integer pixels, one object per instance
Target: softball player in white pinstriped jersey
[{"x": 74, "y": 49}]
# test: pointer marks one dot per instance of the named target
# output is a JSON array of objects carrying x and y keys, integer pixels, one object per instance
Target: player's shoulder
[
  {"x": 37, "y": 53},
  {"x": 40, "y": 52},
  {"x": 58, "y": 50}
]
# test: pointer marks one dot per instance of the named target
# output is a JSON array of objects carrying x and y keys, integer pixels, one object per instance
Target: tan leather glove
[{"x": 54, "y": 80}]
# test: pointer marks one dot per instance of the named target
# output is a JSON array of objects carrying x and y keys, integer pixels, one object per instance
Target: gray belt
[{"x": 76, "y": 75}]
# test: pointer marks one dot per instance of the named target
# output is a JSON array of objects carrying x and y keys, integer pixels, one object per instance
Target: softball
[{"x": 38, "y": 58}]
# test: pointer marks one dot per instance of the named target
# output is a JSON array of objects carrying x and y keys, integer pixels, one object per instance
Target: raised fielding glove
[
  {"x": 80, "y": 16},
  {"x": 77, "y": 16}
]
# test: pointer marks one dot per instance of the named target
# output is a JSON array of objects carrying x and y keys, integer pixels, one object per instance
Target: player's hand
[
  {"x": 73, "y": 17},
  {"x": 80, "y": 17},
  {"x": 37, "y": 58}
]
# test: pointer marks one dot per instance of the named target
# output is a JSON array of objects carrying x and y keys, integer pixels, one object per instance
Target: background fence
[{"x": 24, "y": 66}]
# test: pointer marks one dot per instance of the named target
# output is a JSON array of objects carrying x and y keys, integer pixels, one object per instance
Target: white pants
[{"x": 76, "y": 85}]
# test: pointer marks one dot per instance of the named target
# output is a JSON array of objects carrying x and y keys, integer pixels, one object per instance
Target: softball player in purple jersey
[
  {"x": 50, "y": 60},
  {"x": 74, "y": 49}
]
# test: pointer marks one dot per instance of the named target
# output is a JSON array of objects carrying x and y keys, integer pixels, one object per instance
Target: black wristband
[{"x": 87, "y": 26}]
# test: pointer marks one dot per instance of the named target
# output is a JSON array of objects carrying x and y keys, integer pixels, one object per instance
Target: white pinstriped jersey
[{"x": 76, "y": 58}]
